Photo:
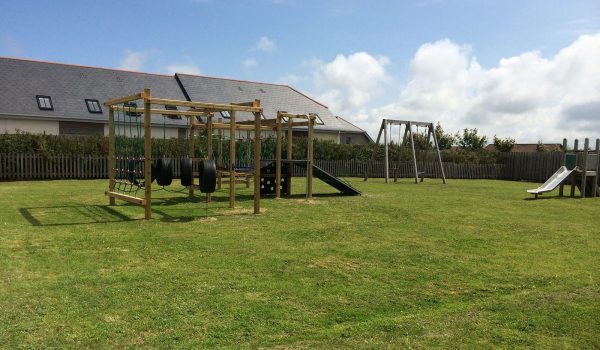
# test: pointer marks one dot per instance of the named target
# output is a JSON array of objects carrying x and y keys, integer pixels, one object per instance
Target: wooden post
[
  {"x": 147, "y": 154},
  {"x": 232, "y": 160},
  {"x": 111, "y": 153},
  {"x": 257, "y": 148},
  {"x": 290, "y": 136},
  {"x": 209, "y": 146},
  {"x": 278, "y": 157},
  {"x": 219, "y": 154},
  {"x": 309, "y": 165},
  {"x": 385, "y": 151},
  {"x": 439, "y": 156},
  {"x": 369, "y": 165},
  {"x": 575, "y": 149},
  {"x": 192, "y": 134},
  {"x": 424, "y": 153},
  {"x": 564, "y": 160},
  {"x": 414, "y": 156},
  {"x": 401, "y": 139},
  {"x": 595, "y": 188},
  {"x": 586, "y": 145}
]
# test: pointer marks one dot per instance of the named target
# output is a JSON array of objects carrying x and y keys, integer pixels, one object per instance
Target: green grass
[{"x": 471, "y": 264}]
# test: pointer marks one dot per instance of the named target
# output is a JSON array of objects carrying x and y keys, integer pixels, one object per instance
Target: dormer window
[
  {"x": 133, "y": 106},
  {"x": 93, "y": 106},
  {"x": 171, "y": 108},
  {"x": 44, "y": 102}
]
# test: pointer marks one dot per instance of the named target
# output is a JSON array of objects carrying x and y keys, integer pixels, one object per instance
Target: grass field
[{"x": 470, "y": 264}]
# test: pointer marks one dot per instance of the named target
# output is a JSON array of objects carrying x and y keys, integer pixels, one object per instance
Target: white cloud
[
  {"x": 348, "y": 83},
  {"x": 133, "y": 60},
  {"x": 249, "y": 63},
  {"x": 528, "y": 97},
  {"x": 187, "y": 67},
  {"x": 264, "y": 44}
]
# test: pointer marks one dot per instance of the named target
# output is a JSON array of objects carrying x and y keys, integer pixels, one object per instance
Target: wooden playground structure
[
  {"x": 408, "y": 137},
  {"x": 131, "y": 165},
  {"x": 580, "y": 169}
]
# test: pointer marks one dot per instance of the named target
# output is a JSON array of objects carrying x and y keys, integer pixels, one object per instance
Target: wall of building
[
  {"x": 353, "y": 138},
  {"x": 34, "y": 126}
]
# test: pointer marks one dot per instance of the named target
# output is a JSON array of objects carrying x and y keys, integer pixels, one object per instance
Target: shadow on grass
[{"x": 66, "y": 215}]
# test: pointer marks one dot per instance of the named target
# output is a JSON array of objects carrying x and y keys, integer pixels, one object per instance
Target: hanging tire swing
[
  {"x": 187, "y": 174},
  {"x": 164, "y": 171},
  {"x": 207, "y": 176}
]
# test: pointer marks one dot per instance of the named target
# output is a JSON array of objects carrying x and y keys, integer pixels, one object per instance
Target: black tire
[
  {"x": 153, "y": 171},
  {"x": 164, "y": 171},
  {"x": 187, "y": 172},
  {"x": 207, "y": 176}
]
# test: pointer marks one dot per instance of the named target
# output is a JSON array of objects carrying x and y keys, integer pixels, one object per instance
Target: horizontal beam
[
  {"x": 126, "y": 198},
  {"x": 212, "y": 107},
  {"x": 119, "y": 100},
  {"x": 404, "y": 122},
  {"x": 161, "y": 111},
  {"x": 226, "y": 126}
]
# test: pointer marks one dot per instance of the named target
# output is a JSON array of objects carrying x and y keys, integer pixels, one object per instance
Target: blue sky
[{"x": 312, "y": 45}]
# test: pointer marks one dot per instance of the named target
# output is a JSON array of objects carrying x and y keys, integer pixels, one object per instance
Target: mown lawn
[{"x": 470, "y": 264}]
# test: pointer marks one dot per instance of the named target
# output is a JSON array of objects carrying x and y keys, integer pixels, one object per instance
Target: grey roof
[
  {"x": 69, "y": 86},
  {"x": 273, "y": 98}
]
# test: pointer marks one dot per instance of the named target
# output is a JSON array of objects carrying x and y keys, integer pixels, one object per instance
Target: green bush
[{"x": 48, "y": 145}]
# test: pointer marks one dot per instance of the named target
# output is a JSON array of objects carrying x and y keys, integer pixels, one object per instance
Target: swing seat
[
  {"x": 207, "y": 176},
  {"x": 187, "y": 175},
  {"x": 164, "y": 171}
]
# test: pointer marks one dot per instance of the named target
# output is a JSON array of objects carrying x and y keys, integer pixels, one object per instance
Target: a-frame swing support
[{"x": 385, "y": 130}]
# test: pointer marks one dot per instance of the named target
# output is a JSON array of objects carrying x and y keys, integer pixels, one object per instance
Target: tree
[
  {"x": 445, "y": 141},
  {"x": 540, "y": 147},
  {"x": 504, "y": 145},
  {"x": 469, "y": 140}
]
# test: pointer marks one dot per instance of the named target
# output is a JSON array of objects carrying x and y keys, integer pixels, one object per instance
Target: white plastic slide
[{"x": 559, "y": 176}]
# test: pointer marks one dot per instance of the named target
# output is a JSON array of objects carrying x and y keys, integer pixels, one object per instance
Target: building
[{"x": 62, "y": 99}]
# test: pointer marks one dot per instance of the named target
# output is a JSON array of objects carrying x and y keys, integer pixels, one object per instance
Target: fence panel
[{"x": 514, "y": 166}]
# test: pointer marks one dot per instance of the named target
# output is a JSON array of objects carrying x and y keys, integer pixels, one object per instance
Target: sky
[{"x": 522, "y": 69}]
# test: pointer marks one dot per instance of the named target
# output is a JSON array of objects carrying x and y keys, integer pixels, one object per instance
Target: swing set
[{"x": 407, "y": 138}]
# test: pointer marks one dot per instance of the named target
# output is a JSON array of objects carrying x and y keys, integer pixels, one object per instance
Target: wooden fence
[{"x": 514, "y": 166}]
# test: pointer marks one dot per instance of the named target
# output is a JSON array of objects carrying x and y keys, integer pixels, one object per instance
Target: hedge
[{"x": 48, "y": 145}]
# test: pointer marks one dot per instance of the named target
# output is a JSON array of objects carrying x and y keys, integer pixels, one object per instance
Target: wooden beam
[
  {"x": 147, "y": 155},
  {"x": 414, "y": 156},
  {"x": 162, "y": 111},
  {"x": 208, "y": 107},
  {"x": 595, "y": 188},
  {"x": 126, "y": 198},
  {"x": 192, "y": 151},
  {"x": 564, "y": 159},
  {"x": 257, "y": 149},
  {"x": 370, "y": 163},
  {"x": 209, "y": 151},
  {"x": 232, "y": 139},
  {"x": 120, "y": 100},
  {"x": 586, "y": 145},
  {"x": 439, "y": 156},
  {"x": 111, "y": 154},
  {"x": 278, "y": 158},
  {"x": 309, "y": 167},
  {"x": 386, "y": 160}
]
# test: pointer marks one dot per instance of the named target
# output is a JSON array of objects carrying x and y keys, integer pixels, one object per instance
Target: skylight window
[
  {"x": 44, "y": 102},
  {"x": 93, "y": 106},
  {"x": 171, "y": 108},
  {"x": 133, "y": 106}
]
